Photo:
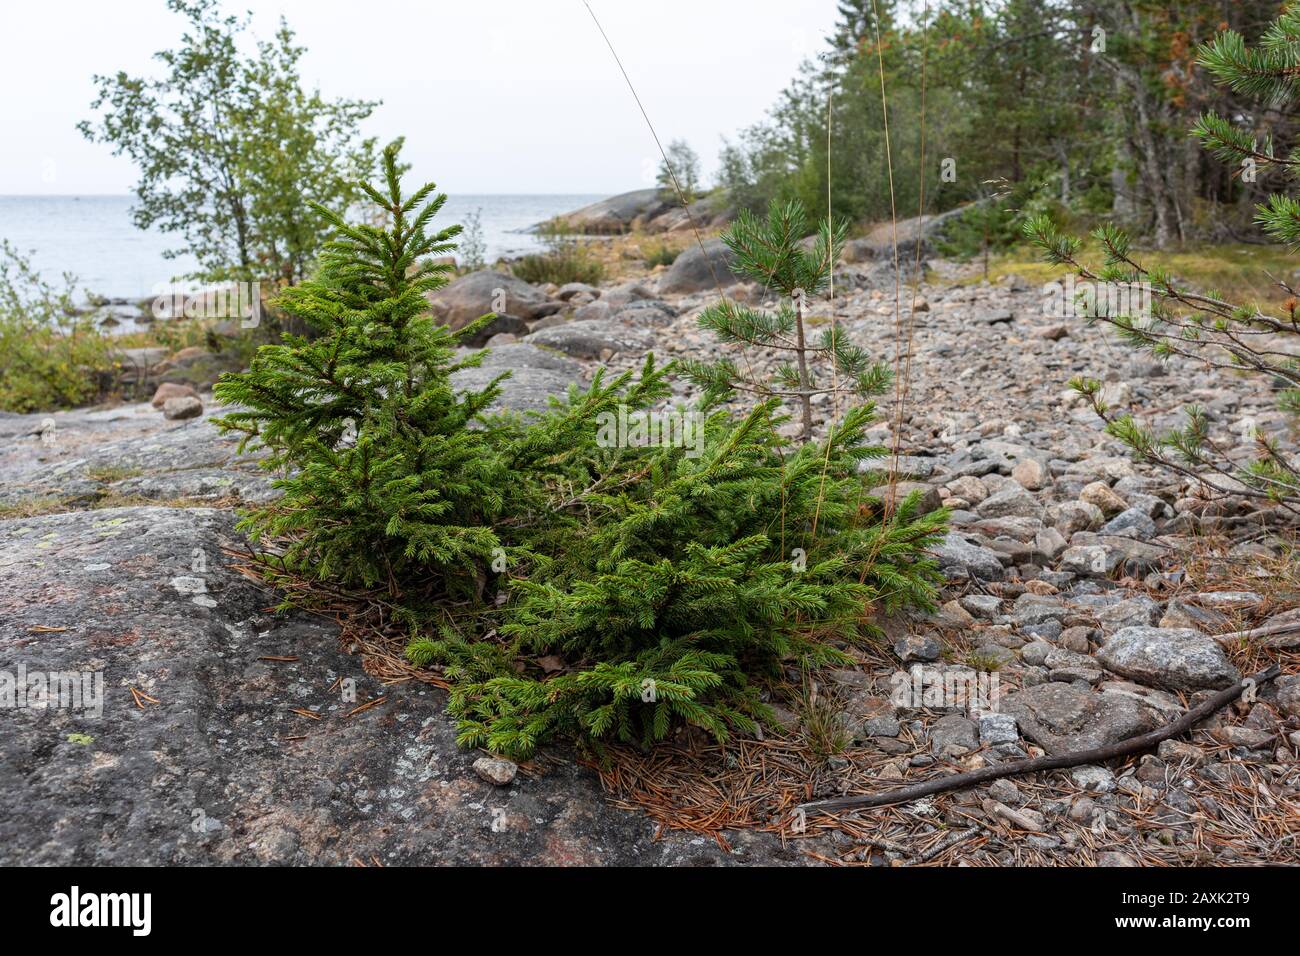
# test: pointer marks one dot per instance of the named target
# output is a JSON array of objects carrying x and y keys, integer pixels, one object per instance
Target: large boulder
[
  {"x": 472, "y": 296},
  {"x": 1180, "y": 658},
  {"x": 699, "y": 270},
  {"x": 535, "y": 375},
  {"x": 593, "y": 339},
  {"x": 1063, "y": 717},
  {"x": 614, "y": 215}
]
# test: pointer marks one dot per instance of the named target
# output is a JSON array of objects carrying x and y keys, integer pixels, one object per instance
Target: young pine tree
[
  {"x": 1245, "y": 337},
  {"x": 384, "y": 480},
  {"x": 771, "y": 253}
]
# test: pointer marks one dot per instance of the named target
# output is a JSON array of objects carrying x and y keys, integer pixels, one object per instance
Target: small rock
[
  {"x": 171, "y": 390},
  {"x": 998, "y": 729},
  {"x": 1288, "y": 694},
  {"x": 953, "y": 735},
  {"x": 918, "y": 647},
  {"x": 982, "y": 605},
  {"x": 955, "y": 552},
  {"x": 1115, "y": 858},
  {"x": 496, "y": 770},
  {"x": 1249, "y": 737},
  {"x": 969, "y": 488},
  {"x": 1173, "y": 658},
  {"x": 1175, "y": 751},
  {"x": 1082, "y": 809},
  {"x": 882, "y": 725},
  {"x": 1100, "y": 494},
  {"x": 1131, "y": 521},
  {"x": 1093, "y": 779},
  {"x": 1004, "y": 791},
  {"x": 1011, "y": 502},
  {"x": 185, "y": 406},
  {"x": 1077, "y": 639},
  {"x": 1031, "y": 473},
  {"x": 1180, "y": 613},
  {"x": 1092, "y": 560}
]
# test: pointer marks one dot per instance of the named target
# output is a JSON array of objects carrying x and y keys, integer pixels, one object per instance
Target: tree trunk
[{"x": 805, "y": 396}]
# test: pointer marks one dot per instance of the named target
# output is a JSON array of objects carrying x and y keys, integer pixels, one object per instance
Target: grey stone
[
  {"x": 593, "y": 339},
  {"x": 1132, "y": 520},
  {"x": 881, "y": 725},
  {"x": 918, "y": 647},
  {"x": 1062, "y": 717},
  {"x": 953, "y": 735},
  {"x": 982, "y": 605},
  {"x": 956, "y": 552},
  {"x": 1011, "y": 502},
  {"x": 1093, "y": 779},
  {"x": 699, "y": 270},
  {"x": 1004, "y": 791},
  {"x": 496, "y": 771},
  {"x": 1137, "y": 611},
  {"x": 998, "y": 729},
  {"x": 181, "y": 408},
  {"x": 1173, "y": 658},
  {"x": 470, "y": 297}
]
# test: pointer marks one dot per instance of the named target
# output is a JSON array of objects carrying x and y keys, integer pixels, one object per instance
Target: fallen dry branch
[
  {"x": 1254, "y": 632},
  {"x": 1124, "y": 748}
]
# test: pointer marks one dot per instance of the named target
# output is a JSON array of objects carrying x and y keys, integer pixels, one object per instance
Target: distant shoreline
[{"x": 93, "y": 237}]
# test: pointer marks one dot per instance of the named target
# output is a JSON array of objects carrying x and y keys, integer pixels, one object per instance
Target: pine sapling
[{"x": 770, "y": 252}]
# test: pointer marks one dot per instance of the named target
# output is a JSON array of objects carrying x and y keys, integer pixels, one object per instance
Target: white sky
[{"x": 493, "y": 96}]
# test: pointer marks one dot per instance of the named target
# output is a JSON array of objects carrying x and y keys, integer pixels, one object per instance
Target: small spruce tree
[
  {"x": 770, "y": 251},
  {"x": 383, "y": 475},
  {"x": 568, "y": 586},
  {"x": 685, "y": 581}
]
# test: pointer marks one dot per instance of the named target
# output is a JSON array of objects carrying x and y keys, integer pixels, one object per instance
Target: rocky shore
[{"x": 1096, "y": 591}]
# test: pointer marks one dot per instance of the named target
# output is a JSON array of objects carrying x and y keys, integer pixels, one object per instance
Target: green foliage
[
  {"x": 995, "y": 221},
  {"x": 660, "y": 254},
  {"x": 1237, "y": 337},
  {"x": 51, "y": 356},
  {"x": 679, "y": 171},
  {"x": 233, "y": 152},
  {"x": 685, "y": 579},
  {"x": 383, "y": 472},
  {"x": 569, "y": 586},
  {"x": 473, "y": 248},
  {"x": 565, "y": 260},
  {"x": 570, "y": 263},
  {"x": 770, "y": 252}
]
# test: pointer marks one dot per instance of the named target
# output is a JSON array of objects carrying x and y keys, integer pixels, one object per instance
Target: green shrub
[
  {"x": 687, "y": 578},
  {"x": 660, "y": 254},
  {"x": 569, "y": 585},
  {"x": 569, "y": 264},
  {"x": 384, "y": 476},
  {"x": 50, "y": 355}
]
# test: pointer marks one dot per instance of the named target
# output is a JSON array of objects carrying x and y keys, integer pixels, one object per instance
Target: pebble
[{"x": 496, "y": 770}]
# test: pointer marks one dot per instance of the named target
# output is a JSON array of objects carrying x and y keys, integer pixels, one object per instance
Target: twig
[
  {"x": 1266, "y": 631},
  {"x": 950, "y": 841},
  {"x": 1098, "y": 754}
]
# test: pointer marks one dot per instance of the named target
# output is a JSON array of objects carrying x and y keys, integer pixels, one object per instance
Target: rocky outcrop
[
  {"x": 222, "y": 733},
  {"x": 642, "y": 209},
  {"x": 475, "y": 295},
  {"x": 699, "y": 269}
]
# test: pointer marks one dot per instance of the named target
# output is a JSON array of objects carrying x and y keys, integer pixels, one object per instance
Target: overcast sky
[{"x": 493, "y": 96}]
